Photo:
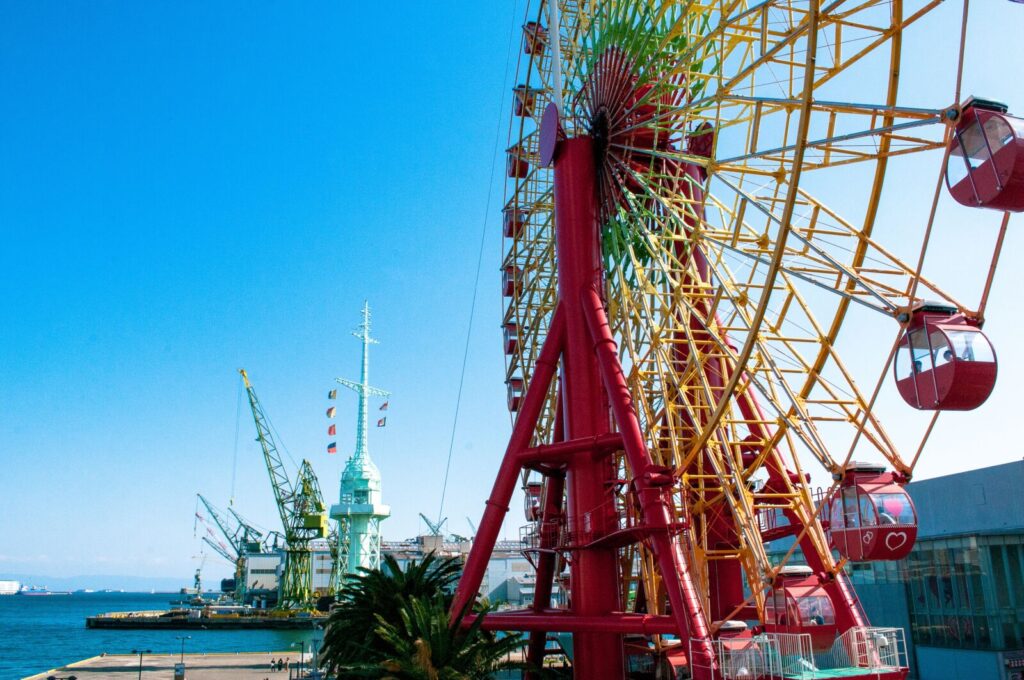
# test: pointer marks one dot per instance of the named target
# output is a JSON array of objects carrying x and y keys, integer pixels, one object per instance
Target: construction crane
[
  {"x": 436, "y": 528},
  {"x": 301, "y": 509},
  {"x": 242, "y": 536},
  {"x": 267, "y": 541},
  {"x": 243, "y": 539},
  {"x": 220, "y": 549},
  {"x": 218, "y": 545}
]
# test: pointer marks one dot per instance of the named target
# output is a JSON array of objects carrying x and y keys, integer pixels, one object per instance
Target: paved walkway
[{"x": 245, "y": 666}]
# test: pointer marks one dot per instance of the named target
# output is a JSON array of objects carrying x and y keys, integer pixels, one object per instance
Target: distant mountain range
[{"x": 169, "y": 584}]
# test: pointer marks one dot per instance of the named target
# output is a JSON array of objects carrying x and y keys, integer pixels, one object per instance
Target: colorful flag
[
  {"x": 332, "y": 430},
  {"x": 331, "y": 411},
  {"x": 333, "y": 394},
  {"x": 384, "y": 406},
  {"x": 332, "y": 447},
  {"x": 382, "y": 422}
]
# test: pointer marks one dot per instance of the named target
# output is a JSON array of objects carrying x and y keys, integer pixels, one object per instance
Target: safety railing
[
  {"x": 874, "y": 650},
  {"x": 750, "y": 658}
]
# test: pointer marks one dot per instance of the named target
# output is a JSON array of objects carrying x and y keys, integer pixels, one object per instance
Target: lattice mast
[
  {"x": 300, "y": 508},
  {"x": 242, "y": 538},
  {"x": 360, "y": 508}
]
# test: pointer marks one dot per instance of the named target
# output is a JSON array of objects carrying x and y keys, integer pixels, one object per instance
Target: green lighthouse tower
[{"x": 360, "y": 509}]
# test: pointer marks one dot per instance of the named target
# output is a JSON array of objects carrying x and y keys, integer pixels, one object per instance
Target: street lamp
[
  {"x": 140, "y": 652},
  {"x": 302, "y": 656},
  {"x": 182, "y": 638},
  {"x": 315, "y": 644}
]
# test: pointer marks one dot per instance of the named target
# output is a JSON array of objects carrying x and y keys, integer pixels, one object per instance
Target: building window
[{"x": 967, "y": 592}]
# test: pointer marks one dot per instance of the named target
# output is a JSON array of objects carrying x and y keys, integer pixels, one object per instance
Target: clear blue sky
[{"x": 186, "y": 189}]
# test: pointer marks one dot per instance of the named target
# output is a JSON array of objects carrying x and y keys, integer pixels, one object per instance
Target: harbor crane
[
  {"x": 240, "y": 535},
  {"x": 270, "y": 539},
  {"x": 300, "y": 506},
  {"x": 242, "y": 539},
  {"x": 436, "y": 528}
]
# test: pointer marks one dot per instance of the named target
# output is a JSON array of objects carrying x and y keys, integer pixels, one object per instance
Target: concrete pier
[{"x": 239, "y": 666}]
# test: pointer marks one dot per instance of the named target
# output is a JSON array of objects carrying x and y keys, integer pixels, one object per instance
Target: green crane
[
  {"x": 265, "y": 541},
  {"x": 243, "y": 539},
  {"x": 301, "y": 508}
]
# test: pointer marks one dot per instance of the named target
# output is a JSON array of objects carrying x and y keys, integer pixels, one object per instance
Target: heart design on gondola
[
  {"x": 868, "y": 536},
  {"x": 896, "y": 540}
]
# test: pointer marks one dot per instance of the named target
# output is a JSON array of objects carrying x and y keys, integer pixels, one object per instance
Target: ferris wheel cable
[
  {"x": 945, "y": 159},
  {"x": 924, "y": 440},
  {"x": 837, "y": 138},
  {"x": 887, "y": 307},
  {"x": 992, "y": 267},
  {"x": 811, "y": 440},
  {"x": 963, "y": 46},
  {"x": 802, "y": 129},
  {"x": 479, "y": 265}
]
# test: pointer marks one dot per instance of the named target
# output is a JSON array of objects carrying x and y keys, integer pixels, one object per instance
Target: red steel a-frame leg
[{"x": 581, "y": 350}]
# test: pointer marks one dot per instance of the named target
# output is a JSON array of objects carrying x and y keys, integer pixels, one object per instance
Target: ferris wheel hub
[{"x": 551, "y": 133}]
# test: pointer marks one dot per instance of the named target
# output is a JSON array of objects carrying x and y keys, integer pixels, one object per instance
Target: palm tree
[
  {"x": 425, "y": 645},
  {"x": 390, "y": 623}
]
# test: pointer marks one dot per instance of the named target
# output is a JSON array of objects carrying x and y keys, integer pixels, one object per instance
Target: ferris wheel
[{"x": 692, "y": 215}]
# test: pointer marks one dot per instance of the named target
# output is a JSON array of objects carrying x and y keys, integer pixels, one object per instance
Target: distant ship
[
  {"x": 9, "y": 587},
  {"x": 41, "y": 590}
]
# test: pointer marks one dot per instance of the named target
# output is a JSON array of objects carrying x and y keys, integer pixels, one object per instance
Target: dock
[
  {"x": 237, "y": 666},
  {"x": 196, "y": 620}
]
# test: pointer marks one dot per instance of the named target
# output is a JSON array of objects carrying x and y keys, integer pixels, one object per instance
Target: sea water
[{"x": 41, "y": 632}]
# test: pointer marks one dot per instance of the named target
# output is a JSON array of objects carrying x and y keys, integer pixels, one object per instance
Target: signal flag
[
  {"x": 382, "y": 422},
  {"x": 331, "y": 411},
  {"x": 332, "y": 447},
  {"x": 332, "y": 430},
  {"x": 333, "y": 394},
  {"x": 384, "y": 406}
]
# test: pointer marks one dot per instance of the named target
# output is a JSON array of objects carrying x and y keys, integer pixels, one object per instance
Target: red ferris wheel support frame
[{"x": 581, "y": 351}]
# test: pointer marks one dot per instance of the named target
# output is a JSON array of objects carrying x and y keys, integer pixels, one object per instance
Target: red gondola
[
  {"x": 512, "y": 280},
  {"x": 799, "y": 604},
  {"x": 872, "y": 517},
  {"x": 515, "y": 393},
  {"x": 534, "y": 37},
  {"x": 944, "y": 362},
  {"x": 531, "y": 504},
  {"x": 986, "y": 157},
  {"x": 524, "y": 99},
  {"x": 513, "y": 221},
  {"x": 511, "y": 334},
  {"x": 516, "y": 164}
]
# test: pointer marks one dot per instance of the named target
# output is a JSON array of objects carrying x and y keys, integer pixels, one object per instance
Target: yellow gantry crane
[{"x": 301, "y": 507}]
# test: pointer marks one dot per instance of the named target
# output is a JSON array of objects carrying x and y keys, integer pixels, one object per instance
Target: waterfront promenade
[{"x": 240, "y": 666}]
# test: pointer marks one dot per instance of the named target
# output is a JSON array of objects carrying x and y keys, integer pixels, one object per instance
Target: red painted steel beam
[
  {"x": 547, "y": 561},
  {"x": 594, "y": 572},
  {"x": 675, "y": 572},
  {"x": 555, "y": 621},
  {"x": 563, "y": 452},
  {"x": 508, "y": 474}
]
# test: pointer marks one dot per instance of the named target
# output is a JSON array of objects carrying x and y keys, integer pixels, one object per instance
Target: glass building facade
[
  {"x": 967, "y": 592},
  {"x": 959, "y": 595}
]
